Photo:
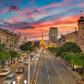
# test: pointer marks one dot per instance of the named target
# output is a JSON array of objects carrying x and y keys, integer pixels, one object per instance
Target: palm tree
[
  {"x": 4, "y": 55},
  {"x": 13, "y": 55}
]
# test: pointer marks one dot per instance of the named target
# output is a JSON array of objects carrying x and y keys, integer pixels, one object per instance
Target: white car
[
  {"x": 26, "y": 61},
  {"x": 20, "y": 60},
  {"x": 35, "y": 58},
  {"x": 5, "y": 71},
  {"x": 9, "y": 79}
]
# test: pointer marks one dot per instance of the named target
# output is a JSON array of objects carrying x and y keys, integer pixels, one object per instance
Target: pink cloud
[{"x": 5, "y": 10}]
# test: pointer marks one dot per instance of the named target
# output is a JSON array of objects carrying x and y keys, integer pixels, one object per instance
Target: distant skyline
[{"x": 31, "y": 17}]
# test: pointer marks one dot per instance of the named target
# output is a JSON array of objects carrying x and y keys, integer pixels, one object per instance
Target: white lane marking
[
  {"x": 48, "y": 76},
  {"x": 48, "y": 73},
  {"x": 49, "y": 82},
  {"x": 62, "y": 79},
  {"x": 58, "y": 73}
]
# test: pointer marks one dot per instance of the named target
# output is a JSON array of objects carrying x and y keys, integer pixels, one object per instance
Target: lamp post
[
  {"x": 25, "y": 81},
  {"x": 29, "y": 70},
  {"x": 14, "y": 82},
  {"x": 18, "y": 79}
]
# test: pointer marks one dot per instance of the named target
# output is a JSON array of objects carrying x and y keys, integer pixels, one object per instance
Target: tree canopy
[
  {"x": 27, "y": 46},
  {"x": 69, "y": 47}
]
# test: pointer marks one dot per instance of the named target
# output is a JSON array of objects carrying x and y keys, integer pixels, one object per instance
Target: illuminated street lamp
[
  {"x": 14, "y": 82},
  {"x": 18, "y": 79},
  {"x": 25, "y": 81},
  {"x": 29, "y": 70}
]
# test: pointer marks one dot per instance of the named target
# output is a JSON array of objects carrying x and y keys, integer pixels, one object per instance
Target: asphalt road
[
  {"x": 25, "y": 74},
  {"x": 52, "y": 71}
]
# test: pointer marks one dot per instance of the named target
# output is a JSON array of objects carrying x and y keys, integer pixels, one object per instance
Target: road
[
  {"x": 25, "y": 75},
  {"x": 52, "y": 71}
]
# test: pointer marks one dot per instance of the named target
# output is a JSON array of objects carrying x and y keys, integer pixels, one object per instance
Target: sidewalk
[{"x": 75, "y": 75}]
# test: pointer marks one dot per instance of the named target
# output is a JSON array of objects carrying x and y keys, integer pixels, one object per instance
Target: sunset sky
[{"x": 31, "y": 17}]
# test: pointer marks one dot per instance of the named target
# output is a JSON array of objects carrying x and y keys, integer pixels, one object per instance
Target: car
[
  {"x": 26, "y": 61},
  {"x": 20, "y": 70},
  {"x": 9, "y": 79},
  {"x": 35, "y": 58},
  {"x": 5, "y": 71},
  {"x": 20, "y": 60}
]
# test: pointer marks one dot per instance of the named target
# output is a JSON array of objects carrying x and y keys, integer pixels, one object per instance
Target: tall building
[
  {"x": 81, "y": 32},
  {"x": 53, "y": 33}
]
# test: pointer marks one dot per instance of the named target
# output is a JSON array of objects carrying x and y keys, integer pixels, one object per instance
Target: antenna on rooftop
[{"x": 81, "y": 12}]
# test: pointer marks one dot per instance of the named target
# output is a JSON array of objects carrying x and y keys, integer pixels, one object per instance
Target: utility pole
[{"x": 29, "y": 70}]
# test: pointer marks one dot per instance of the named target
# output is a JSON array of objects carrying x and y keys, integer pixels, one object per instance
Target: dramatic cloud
[{"x": 30, "y": 16}]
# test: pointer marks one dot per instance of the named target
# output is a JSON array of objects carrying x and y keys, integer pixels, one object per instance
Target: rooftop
[{"x": 81, "y": 19}]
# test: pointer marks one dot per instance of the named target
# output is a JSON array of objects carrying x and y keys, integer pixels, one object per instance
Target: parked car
[
  {"x": 20, "y": 70},
  {"x": 5, "y": 71},
  {"x": 9, "y": 79},
  {"x": 26, "y": 61},
  {"x": 20, "y": 60}
]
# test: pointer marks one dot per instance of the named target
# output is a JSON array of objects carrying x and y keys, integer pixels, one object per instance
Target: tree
[
  {"x": 69, "y": 47},
  {"x": 4, "y": 55},
  {"x": 27, "y": 46},
  {"x": 13, "y": 55},
  {"x": 58, "y": 51},
  {"x": 36, "y": 44},
  {"x": 81, "y": 59},
  {"x": 52, "y": 49}
]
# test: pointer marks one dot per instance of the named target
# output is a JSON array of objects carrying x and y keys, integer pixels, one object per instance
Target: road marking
[
  {"x": 48, "y": 76},
  {"x": 47, "y": 71},
  {"x": 49, "y": 82},
  {"x": 62, "y": 79}
]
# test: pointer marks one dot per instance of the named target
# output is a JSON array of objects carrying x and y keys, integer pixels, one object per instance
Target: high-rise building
[
  {"x": 81, "y": 32},
  {"x": 53, "y": 33}
]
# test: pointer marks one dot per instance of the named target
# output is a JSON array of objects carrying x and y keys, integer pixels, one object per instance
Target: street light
[
  {"x": 14, "y": 82},
  {"x": 18, "y": 79},
  {"x": 29, "y": 70},
  {"x": 25, "y": 81}
]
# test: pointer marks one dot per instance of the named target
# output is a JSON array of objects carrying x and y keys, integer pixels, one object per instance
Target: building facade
[
  {"x": 81, "y": 32},
  {"x": 53, "y": 33},
  {"x": 72, "y": 37},
  {"x": 61, "y": 40},
  {"x": 10, "y": 39}
]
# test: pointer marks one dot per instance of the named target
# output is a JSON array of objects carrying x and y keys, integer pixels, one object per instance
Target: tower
[
  {"x": 42, "y": 42},
  {"x": 81, "y": 32},
  {"x": 53, "y": 34}
]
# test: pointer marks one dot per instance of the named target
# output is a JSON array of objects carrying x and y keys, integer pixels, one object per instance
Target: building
[
  {"x": 10, "y": 39},
  {"x": 71, "y": 37},
  {"x": 61, "y": 40},
  {"x": 81, "y": 32},
  {"x": 53, "y": 33}
]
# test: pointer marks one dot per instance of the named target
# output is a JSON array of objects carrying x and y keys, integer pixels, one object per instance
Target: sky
[{"x": 32, "y": 17}]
